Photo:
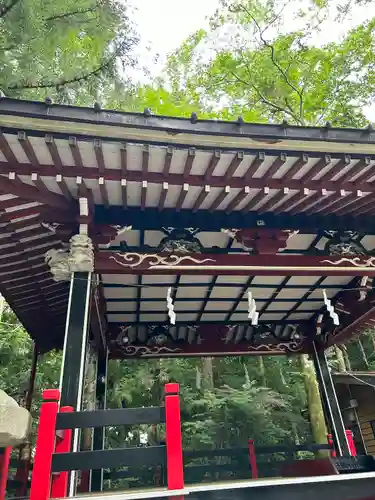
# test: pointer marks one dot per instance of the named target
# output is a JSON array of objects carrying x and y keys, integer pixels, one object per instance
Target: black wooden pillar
[
  {"x": 97, "y": 475},
  {"x": 74, "y": 354},
  {"x": 330, "y": 402}
]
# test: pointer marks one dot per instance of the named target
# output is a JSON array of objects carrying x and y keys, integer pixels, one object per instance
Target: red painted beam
[
  {"x": 209, "y": 340},
  {"x": 176, "y": 179},
  {"x": 233, "y": 264}
]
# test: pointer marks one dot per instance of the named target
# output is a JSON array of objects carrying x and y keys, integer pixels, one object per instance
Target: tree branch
[
  {"x": 62, "y": 83},
  {"x": 69, "y": 14},
  {"x": 269, "y": 103},
  {"x": 7, "y": 8},
  {"x": 275, "y": 63}
]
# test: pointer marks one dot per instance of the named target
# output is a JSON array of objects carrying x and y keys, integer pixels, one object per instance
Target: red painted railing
[
  {"x": 351, "y": 443},
  {"x": 45, "y": 446},
  {"x": 253, "y": 459},
  {"x": 173, "y": 439},
  {"x": 4, "y": 467},
  {"x": 330, "y": 442},
  {"x": 352, "y": 448},
  {"x": 59, "y": 486},
  {"x": 45, "y": 485}
]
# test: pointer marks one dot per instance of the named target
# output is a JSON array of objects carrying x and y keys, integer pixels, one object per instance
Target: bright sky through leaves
[{"x": 165, "y": 24}]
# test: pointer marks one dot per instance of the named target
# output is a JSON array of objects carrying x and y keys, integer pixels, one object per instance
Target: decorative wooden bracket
[{"x": 261, "y": 241}]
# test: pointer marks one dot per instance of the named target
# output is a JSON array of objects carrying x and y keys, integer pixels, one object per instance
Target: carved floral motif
[
  {"x": 356, "y": 261},
  {"x": 282, "y": 347},
  {"x": 154, "y": 260},
  {"x": 140, "y": 350}
]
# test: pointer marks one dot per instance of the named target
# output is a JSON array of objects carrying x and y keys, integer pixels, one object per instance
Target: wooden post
[
  {"x": 45, "y": 446},
  {"x": 4, "y": 468},
  {"x": 253, "y": 459},
  {"x": 74, "y": 353},
  {"x": 330, "y": 402},
  {"x": 173, "y": 438},
  {"x": 60, "y": 481}
]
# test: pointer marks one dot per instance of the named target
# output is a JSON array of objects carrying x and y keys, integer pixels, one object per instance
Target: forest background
[{"x": 259, "y": 59}]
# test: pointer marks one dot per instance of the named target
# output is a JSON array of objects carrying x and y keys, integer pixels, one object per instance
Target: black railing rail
[
  {"x": 260, "y": 449},
  {"x": 103, "y": 459},
  {"x": 238, "y": 464},
  {"x": 238, "y": 460},
  {"x": 287, "y": 448},
  {"x": 217, "y": 452},
  {"x": 53, "y": 458},
  {"x": 107, "y": 459},
  {"x": 107, "y": 418}
]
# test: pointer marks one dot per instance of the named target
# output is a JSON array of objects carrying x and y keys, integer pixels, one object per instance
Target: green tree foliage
[
  {"x": 236, "y": 407},
  {"x": 251, "y": 63},
  {"x": 69, "y": 51},
  {"x": 16, "y": 352}
]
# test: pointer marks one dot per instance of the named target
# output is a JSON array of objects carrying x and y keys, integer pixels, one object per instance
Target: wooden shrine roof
[{"x": 146, "y": 175}]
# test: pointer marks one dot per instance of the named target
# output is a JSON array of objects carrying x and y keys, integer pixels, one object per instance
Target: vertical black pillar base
[
  {"x": 74, "y": 355},
  {"x": 330, "y": 402},
  {"x": 97, "y": 475}
]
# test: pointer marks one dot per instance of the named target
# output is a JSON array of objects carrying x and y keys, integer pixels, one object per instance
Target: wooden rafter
[
  {"x": 56, "y": 159},
  {"x": 167, "y": 161},
  {"x": 298, "y": 165},
  {"x": 293, "y": 200},
  {"x": 256, "y": 163},
  {"x": 177, "y": 179},
  {"x": 276, "y": 165},
  {"x": 214, "y": 160},
  {"x": 317, "y": 167},
  {"x": 261, "y": 194},
  {"x": 237, "y": 199},
  {"x": 30, "y": 193},
  {"x": 189, "y": 163},
  {"x": 234, "y": 164},
  {"x": 276, "y": 198}
]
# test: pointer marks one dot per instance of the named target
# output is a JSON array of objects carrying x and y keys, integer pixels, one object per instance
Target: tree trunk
[
  {"x": 297, "y": 440},
  {"x": 262, "y": 372},
  {"x": 198, "y": 378},
  {"x": 317, "y": 421},
  {"x": 89, "y": 395},
  {"x": 341, "y": 365},
  {"x": 207, "y": 374}
]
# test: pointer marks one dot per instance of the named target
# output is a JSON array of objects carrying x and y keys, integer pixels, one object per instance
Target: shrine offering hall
[{"x": 151, "y": 236}]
